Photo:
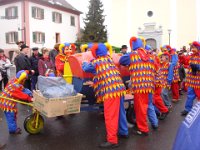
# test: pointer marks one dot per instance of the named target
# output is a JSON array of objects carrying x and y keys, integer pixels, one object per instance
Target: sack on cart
[{"x": 55, "y": 87}]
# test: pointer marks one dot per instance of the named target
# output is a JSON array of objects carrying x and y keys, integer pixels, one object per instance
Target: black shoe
[
  {"x": 138, "y": 132},
  {"x": 123, "y": 136},
  {"x": 158, "y": 114},
  {"x": 184, "y": 113},
  {"x": 108, "y": 145},
  {"x": 2, "y": 146},
  {"x": 18, "y": 131},
  {"x": 60, "y": 117},
  {"x": 154, "y": 127},
  {"x": 163, "y": 116},
  {"x": 180, "y": 92}
]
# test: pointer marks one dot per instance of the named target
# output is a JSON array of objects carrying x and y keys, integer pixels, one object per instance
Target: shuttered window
[
  {"x": 11, "y": 37},
  {"x": 11, "y": 12},
  {"x": 38, "y": 13},
  {"x": 72, "y": 18},
  {"x": 39, "y": 37},
  {"x": 56, "y": 17}
]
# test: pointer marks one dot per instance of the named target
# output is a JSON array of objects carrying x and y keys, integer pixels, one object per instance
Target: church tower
[{"x": 174, "y": 22}]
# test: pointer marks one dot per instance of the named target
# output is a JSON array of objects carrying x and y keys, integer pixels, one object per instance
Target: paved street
[{"x": 86, "y": 130}]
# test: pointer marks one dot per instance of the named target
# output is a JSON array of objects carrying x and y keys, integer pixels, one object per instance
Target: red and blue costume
[
  {"x": 142, "y": 76},
  {"x": 15, "y": 90},
  {"x": 173, "y": 76},
  {"x": 193, "y": 78},
  {"x": 176, "y": 78},
  {"x": 166, "y": 84},
  {"x": 65, "y": 50},
  {"x": 60, "y": 59},
  {"x": 158, "y": 101},
  {"x": 109, "y": 89}
]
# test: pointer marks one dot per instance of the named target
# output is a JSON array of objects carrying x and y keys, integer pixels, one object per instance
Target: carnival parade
[{"x": 97, "y": 95}]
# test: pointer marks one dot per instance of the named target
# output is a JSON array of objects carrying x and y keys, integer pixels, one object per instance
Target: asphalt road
[{"x": 85, "y": 131}]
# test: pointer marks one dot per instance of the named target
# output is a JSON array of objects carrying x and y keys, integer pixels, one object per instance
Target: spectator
[
  {"x": 22, "y": 62},
  {"x": 184, "y": 49},
  {"x": 4, "y": 69},
  {"x": 34, "y": 66},
  {"x": 45, "y": 65},
  {"x": 19, "y": 44},
  {"x": 53, "y": 53},
  {"x": 124, "y": 49}
]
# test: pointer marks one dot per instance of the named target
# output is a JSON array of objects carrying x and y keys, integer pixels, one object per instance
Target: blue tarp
[
  {"x": 188, "y": 135},
  {"x": 55, "y": 87}
]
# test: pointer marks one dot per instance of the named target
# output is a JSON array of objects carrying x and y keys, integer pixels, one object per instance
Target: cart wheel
[
  {"x": 30, "y": 124},
  {"x": 130, "y": 114}
]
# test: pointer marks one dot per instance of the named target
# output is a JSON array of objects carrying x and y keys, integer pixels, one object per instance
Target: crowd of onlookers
[{"x": 40, "y": 62}]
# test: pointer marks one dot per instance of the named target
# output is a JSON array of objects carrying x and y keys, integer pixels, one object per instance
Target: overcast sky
[{"x": 82, "y": 5}]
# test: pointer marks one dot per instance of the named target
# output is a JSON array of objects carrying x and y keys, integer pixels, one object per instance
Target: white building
[
  {"x": 40, "y": 23},
  {"x": 153, "y": 19}
]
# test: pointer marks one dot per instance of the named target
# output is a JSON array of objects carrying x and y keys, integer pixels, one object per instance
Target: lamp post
[
  {"x": 24, "y": 31},
  {"x": 169, "y": 32}
]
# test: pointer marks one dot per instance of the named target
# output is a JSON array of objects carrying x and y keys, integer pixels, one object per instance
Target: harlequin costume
[
  {"x": 193, "y": 78},
  {"x": 109, "y": 89},
  {"x": 160, "y": 107},
  {"x": 164, "y": 75},
  {"x": 60, "y": 59},
  {"x": 184, "y": 60},
  {"x": 15, "y": 90},
  {"x": 142, "y": 75},
  {"x": 67, "y": 68},
  {"x": 176, "y": 78},
  {"x": 157, "y": 99},
  {"x": 86, "y": 47},
  {"x": 173, "y": 76}
]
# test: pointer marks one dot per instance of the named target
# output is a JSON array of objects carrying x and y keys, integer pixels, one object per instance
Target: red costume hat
[
  {"x": 135, "y": 43},
  {"x": 196, "y": 44},
  {"x": 166, "y": 54},
  {"x": 99, "y": 49}
]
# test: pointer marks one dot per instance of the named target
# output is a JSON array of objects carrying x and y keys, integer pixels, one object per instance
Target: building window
[
  {"x": 38, "y": 37},
  {"x": 37, "y": 13},
  {"x": 56, "y": 17},
  {"x": 150, "y": 13},
  {"x": 11, "y": 13},
  {"x": 72, "y": 21},
  {"x": 11, "y": 37}
]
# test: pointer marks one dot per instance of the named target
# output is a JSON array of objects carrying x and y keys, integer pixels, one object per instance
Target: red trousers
[
  {"x": 158, "y": 101},
  {"x": 175, "y": 91},
  {"x": 197, "y": 92},
  {"x": 141, "y": 106},
  {"x": 111, "y": 115}
]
